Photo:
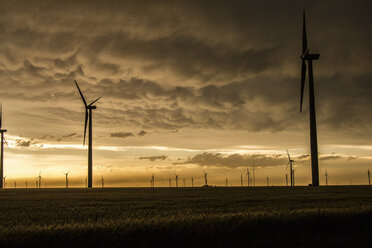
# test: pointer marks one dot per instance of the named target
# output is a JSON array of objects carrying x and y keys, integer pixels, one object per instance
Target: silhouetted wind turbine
[
  {"x": 205, "y": 178},
  {"x": 290, "y": 163},
  {"x": 192, "y": 182},
  {"x": 176, "y": 180},
  {"x": 88, "y": 116},
  {"x": 39, "y": 178},
  {"x": 66, "y": 174},
  {"x": 369, "y": 177},
  {"x": 26, "y": 183},
  {"x": 241, "y": 180},
  {"x": 170, "y": 183},
  {"x": 227, "y": 182},
  {"x": 326, "y": 177},
  {"x": 309, "y": 57},
  {"x": 102, "y": 182},
  {"x": 267, "y": 181},
  {"x": 2, "y": 131},
  {"x": 248, "y": 177},
  {"x": 254, "y": 176}
]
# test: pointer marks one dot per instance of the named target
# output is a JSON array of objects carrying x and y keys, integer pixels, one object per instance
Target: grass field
[{"x": 187, "y": 217}]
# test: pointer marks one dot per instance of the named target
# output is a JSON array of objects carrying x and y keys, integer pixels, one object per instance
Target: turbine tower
[
  {"x": 88, "y": 116},
  {"x": 66, "y": 174},
  {"x": 369, "y": 177},
  {"x": 241, "y": 180},
  {"x": 309, "y": 57},
  {"x": 291, "y": 171},
  {"x": 2, "y": 131},
  {"x": 176, "y": 180},
  {"x": 326, "y": 177}
]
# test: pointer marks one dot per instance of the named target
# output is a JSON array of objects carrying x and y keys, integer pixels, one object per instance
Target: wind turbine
[
  {"x": 66, "y": 178},
  {"x": 153, "y": 181},
  {"x": 254, "y": 176},
  {"x": 291, "y": 171},
  {"x": 176, "y": 180},
  {"x": 369, "y": 177},
  {"x": 227, "y": 182},
  {"x": 2, "y": 131},
  {"x": 4, "y": 180},
  {"x": 39, "y": 179},
  {"x": 88, "y": 116},
  {"x": 248, "y": 177},
  {"x": 192, "y": 182},
  {"x": 241, "y": 180},
  {"x": 205, "y": 178},
  {"x": 309, "y": 57},
  {"x": 102, "y": 181},
  {"x": 170, "y": 183},
  {"x": 267, "y": 181},
  {"x": 326, "y": 177}
]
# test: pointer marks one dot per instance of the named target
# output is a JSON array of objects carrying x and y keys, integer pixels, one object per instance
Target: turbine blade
[
  {"x": 304, "y": 39},
  {"x": 81, "y": 94},
  {"x": 303, "y": 75},
  {"x": 289, "y": 157},
  {"x": 85, "y": 126},
  {"x": 94, "y": 101},
  {"x": 287, "y": 166}
]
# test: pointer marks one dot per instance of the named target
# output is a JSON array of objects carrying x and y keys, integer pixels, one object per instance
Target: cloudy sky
[{"x": 186, "y": 86}]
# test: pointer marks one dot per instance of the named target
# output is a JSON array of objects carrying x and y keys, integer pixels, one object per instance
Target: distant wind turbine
[
  {"x": 66, "y": 174},
  {"x": 205, "y": 178},
  {"x": 102, "y": 182},
  {"x": 39, "y": 179},
  {"x": 4, "y": 180},
  {"x": 26, "y": 183},
  {"x": 326, "y": 177},
  {"x": 176, "y": 180},
  {"x": 88, "y": 116},
  {"x": 291, "y": 171},
  {"x": 227, "y": 182},
  {"x": 153, "y": 181},
  {"x": 248, "y": 177},
  {"x": 241, "y": 180},
  {"x": 254, "y": 176},
  {"x": 2, "y": 131},
  {"x": 267, "y": 181},
  {"x": 309, "y": 57},
  {"x": 192, "y": 182},
  {"x": 369, "y": 177}
]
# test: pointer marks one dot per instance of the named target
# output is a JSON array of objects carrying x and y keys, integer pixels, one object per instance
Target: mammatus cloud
[
  {"x": 122, "y": 135},
  {"x": 154, "y": 158}
]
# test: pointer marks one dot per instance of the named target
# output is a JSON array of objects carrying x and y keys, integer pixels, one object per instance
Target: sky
[{"x": 186, "y": 86}]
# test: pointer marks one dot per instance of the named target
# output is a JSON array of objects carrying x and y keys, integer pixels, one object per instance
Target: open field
[{"x": 187, "y": 217}]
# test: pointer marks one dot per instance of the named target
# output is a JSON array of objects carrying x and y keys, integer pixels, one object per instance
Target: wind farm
[{"x": 197, "y": 141}]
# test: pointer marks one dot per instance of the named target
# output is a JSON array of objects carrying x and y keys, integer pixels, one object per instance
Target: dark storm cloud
[
  {"x": 154, "y": 158},
  {"x": 122, "y": 135},
  {"x": 23, "y": 143},
  {"x": 188, "y": 64},
  {"x": 142, "y": 133},
  {"x": 235, "y": 160}
]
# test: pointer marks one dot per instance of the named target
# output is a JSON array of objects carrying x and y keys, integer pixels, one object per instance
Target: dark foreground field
[{"x": 190, "y": 217}]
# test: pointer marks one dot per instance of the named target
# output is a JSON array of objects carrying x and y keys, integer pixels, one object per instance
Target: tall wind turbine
[
  {"x": 39, "y": 179},
  {"x": 176, "y": 180},
  {"x": 291, "y": 171},
  {"x": 309, "y": 57},
  {"x": 88, "y": 116},
  {"x": 205, "y": 178},
  {"x": 66, "y": 174},
  {"x": 2, "y": 131},
  {"x": 326, "y": 177}
]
